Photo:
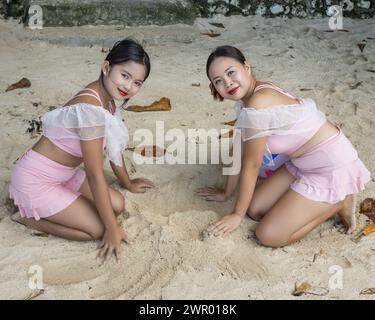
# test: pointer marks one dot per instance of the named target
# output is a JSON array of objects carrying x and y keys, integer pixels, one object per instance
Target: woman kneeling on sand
[
  {"x": 321, "y": 178},
  {"x": 52, "y": 193}
]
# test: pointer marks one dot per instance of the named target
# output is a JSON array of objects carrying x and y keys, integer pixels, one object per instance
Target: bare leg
[
  {"x": 268, "y": 192},
  {"x": 117, "y": 199},
  {"x": 79, "y": 221},
  {"x": 347, "y": 213},
  {"x": 293, "y": 217}
]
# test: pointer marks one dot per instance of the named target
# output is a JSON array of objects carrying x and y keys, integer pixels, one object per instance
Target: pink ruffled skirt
[
  {"x": 329, "y": 171},
  {"x": 41, "y": 187}
]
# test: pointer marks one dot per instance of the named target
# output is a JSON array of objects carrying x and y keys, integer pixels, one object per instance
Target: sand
[{"x": 171, "y": 258}]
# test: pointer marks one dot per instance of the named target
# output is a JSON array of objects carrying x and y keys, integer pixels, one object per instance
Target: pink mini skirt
[
  {"x": 41, "y": 187},
  {"x": 329, "y": 171}
]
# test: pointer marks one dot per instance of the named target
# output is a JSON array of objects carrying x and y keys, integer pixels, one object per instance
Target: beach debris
[
  {"x": 355, "y": 104},
  {"x": 316, "y": 255},
  {"x": 148, "y": 151},
  {"x": 301, "y": 289},
  {"x": 230, "y": 123},
  {"x": 164, "y": 104},
  {"x": 217, "y": 24},
  {"x": 305, "y": 89},
  {"x": 205, "y": 235},
  {"x": 342, "y": 30},
  {"x": 35, "y": 294},
  {"x": 370, "y": 70},
  {"x": 368, "y": 291},
  {"x": 50, "y": 108},
  {"x": 211, "y": 34},
  {"x": 10, "y": 205},
  {"x": 355, "y": 86},
  {"x": 364, "y": 232},
  {"x": 23, "y": 83},
  {"x": 40, "y": 234},
  {"x": 362, "y": 45},
  {"x": 105, "y": 50},
  {"x": 307, "y": 288},
  {"x": 367, "y": 207},
  {"x": 228, "y": 134},
  {"x": 34, "y": 127},
  {"x": 195, "y": 84}
]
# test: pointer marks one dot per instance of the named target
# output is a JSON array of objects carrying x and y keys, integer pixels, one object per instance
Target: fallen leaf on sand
[
  {"x": 362, "y": 45},
  {"x": 195, "y": 84},
  {"x": 368, "y": 291},
  {"x": 301, "y": 289},
  {"x": 355, "y": 86},
  {"x": 306, "y": 288},
  {"x": 228, "y": 134},
  {"x": 217, "y": 24},
  {"x": 164, "y": 104},
  {"x": 305, "y": 89},
  {"x": 23, "y": 83},
  {"x": 148, "y": 151},
  {"x": 211, "y": 34},
  {"x": 35, "y": 294},
  {"x": 230, "y": 123},
  {"x": 367, "y": 207}
]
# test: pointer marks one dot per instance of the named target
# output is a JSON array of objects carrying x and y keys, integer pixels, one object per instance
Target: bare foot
[{"x": 347, "y": 214}]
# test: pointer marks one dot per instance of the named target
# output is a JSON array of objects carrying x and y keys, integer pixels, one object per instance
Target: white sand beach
[{"x": 171, "y": 258}]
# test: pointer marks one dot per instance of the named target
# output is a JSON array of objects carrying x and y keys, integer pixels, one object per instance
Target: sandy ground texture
[{"x": 171, "y": 258}]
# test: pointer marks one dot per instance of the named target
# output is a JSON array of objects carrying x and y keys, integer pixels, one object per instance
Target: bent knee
[
  {"x": 96, "y": 233},
  {"x": 255, "y": 213},
  {"x": 270, "y": 237},
  {"x": 118, "y": 202}
]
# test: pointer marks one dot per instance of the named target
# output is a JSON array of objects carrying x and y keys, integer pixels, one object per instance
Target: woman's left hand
[{"x": 226, "y": 225}]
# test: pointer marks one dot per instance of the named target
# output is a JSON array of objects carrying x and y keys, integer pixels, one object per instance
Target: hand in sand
[
  {"x": 211, "y": 194},
  {"x": 111, "y": 243},
  {"x": 140, "y": 185},
  {"x": 225, "y": 226}
]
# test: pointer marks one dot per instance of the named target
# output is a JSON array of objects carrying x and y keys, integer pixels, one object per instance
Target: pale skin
[
  {"x": 285, "y": 216},
  {"x": 92, "y": 216}
]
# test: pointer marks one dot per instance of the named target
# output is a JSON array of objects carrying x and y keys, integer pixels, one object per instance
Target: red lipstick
[
  {"x": 233, "y": 91},
  {"x": 122, "y": 92}
]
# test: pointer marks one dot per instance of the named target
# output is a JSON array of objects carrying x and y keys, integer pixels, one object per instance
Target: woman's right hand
[
  {"x": 212, "y": 193},
  {"x": 111, "y": 242}
]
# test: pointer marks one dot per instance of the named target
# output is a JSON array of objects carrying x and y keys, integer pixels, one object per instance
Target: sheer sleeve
[
  {"x": 277, "y": 120},
  {"x": 83, "y": 121},
  {"x": 87, "y": 122}
]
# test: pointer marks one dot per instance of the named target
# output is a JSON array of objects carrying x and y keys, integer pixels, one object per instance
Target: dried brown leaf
[
  {"x": 368, "y": 291},
  {"x": 355, "y": 86},
  {"x": 230, "y": 123},
  {"x": 228, "y": 134},
  {"x": 217, "y": 24},
  {"x": 301, "y": 289},
  {"x": 211, "y": 34},
  {"x": 23, "y": 83},
  {"x": 164, "y": 104},
  {"x": 149, "y": 151}
]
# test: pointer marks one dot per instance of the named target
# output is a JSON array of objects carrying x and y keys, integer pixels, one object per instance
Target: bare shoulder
[
  {"x": 267, "y": 97},
  {"x": 84, "y": 98}
]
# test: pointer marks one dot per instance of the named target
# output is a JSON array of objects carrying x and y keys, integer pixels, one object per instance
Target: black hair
[
  {"x": 129, "y": 50},
  {"x": 223, "y": 51}
]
